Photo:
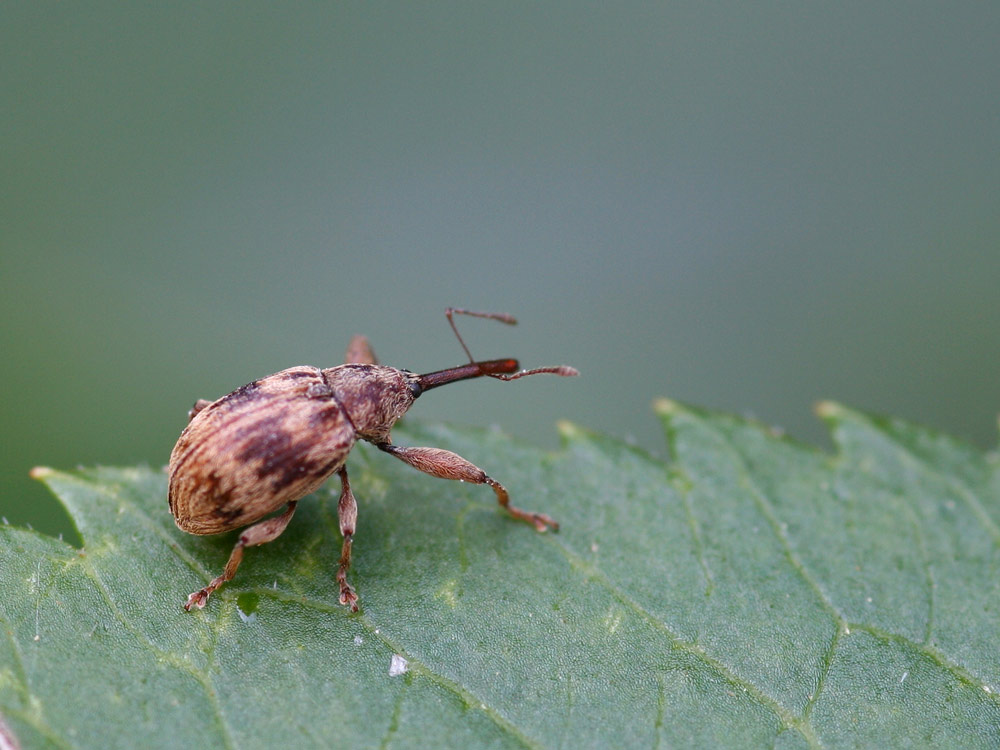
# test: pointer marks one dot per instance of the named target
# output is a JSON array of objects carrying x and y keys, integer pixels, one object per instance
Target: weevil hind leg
[
  {"x": 253, "y": 536},
  {"x": 447, "y": 465},
  {"x": 360, "y": 352},
  {"x": 347, "y": 514}
]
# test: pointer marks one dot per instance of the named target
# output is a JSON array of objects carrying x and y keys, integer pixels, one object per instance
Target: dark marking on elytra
[
  {"x": 330, "y": 467},
  {"x": 271, "y": 451},
  {"x": 229, "y": 511},
  {"x": 328, "y": 415},
  {"x": 261, "y": 430},
  {"x": 212, "y": 485},
  {"x": 292, "y": 472}
]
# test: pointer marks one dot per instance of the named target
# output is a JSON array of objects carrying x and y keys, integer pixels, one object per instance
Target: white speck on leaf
[
  {"x": 358, "y": 640},
  {"x": 903, "y": 677},
  {"x": 398, "y": 665},
  {"x": 612, "y": 620}
]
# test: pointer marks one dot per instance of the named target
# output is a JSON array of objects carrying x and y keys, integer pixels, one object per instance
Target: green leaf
[{"x": 750, "y": 592}]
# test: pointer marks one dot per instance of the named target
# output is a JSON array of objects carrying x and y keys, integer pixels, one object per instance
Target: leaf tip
[
  {"x": 567, "y": 429},
  {"x": 666, "y": 407},
  {"x": 828, "y": 410},
  {"x": 41, "y": 472}
]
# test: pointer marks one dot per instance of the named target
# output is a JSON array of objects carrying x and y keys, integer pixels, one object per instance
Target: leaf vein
[
  {"x": 959, "y": 672},
  {"x": 164, "y": 657},
  {"x": 31, "y": 720},
  {"x": 18, "y": 657},
  {"x": 397, "y": 709},
  {"x": 416, "y": 665},
  {"x": 928, "y": 567},
  {"x": 783, "y": 713},
  {"x": 144, "y": 519},
  {"x": 699, "y": 545},
  {"x": 778, "y": 528},
  {"x": 825, "y": 666},
  {"x": 968, "y": 496}
]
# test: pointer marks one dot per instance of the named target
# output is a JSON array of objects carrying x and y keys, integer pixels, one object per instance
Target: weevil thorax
[{"x": 373, "y": 396}]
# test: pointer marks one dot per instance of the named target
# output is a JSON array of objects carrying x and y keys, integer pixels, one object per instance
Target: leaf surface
[{"x": 748, "y": 592}]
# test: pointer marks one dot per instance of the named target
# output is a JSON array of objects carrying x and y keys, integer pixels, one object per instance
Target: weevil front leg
[
  {"x": 448, "y": 465},
  {"x": 347, "y": 514},
  {"x": 253, "y": 536}
]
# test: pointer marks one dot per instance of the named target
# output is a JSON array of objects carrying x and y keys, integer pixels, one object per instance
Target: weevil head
[{"x": 375, "y": 397}]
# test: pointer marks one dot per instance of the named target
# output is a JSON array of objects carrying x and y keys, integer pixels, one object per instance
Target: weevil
[{"x": 271, "y": 442}]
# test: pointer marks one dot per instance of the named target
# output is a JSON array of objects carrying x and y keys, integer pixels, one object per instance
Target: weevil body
[{"x": 275, "y": 440}]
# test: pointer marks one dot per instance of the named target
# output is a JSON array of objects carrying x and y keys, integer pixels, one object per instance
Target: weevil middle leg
[{"x": 347, "y": 514}]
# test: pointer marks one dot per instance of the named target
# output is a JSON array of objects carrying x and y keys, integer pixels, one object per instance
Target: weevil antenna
[
  {"x": 501, "y": 369},
  {"x": 502, "y": 317}
]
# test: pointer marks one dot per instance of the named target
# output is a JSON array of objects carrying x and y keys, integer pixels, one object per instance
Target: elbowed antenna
[{"x": 501, "y": 369}]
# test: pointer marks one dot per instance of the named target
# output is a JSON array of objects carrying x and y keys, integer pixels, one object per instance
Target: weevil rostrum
[{"x": 275, "y": 440}]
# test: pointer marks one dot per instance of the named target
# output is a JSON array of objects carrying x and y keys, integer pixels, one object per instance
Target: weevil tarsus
[{"x": 253, "y": 536}]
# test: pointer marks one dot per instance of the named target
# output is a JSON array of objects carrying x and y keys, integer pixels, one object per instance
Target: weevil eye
[{"x": 414, "y": 385}]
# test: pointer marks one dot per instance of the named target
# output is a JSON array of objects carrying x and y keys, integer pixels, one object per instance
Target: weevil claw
[
  {"x": 197, "y": 599},
  {"x": 350, "y": 601},
  {"x": 348, "y": 597},
  {"x": 543, "y": 522}
]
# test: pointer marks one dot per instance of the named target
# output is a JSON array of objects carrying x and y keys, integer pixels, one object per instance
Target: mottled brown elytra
[{"x": 274, "y": 440}]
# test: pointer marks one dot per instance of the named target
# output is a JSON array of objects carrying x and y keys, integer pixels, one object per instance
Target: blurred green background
[{"x": 748, "y": 206}]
